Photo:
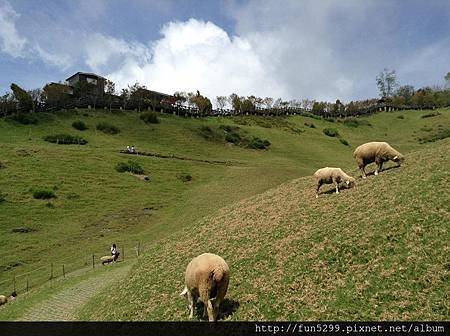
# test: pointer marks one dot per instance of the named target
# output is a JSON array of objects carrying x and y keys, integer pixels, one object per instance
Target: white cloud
[
  {"x": 105, "y": 51},
  {"x": 62, "y": 61},
  {"x": 11, "y": 42},
  {"x": 193, "y": 55}
]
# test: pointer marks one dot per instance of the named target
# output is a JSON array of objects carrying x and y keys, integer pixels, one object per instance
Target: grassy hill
[
  {"x": 95, "y": 205},
  {"x": 378, "y": 251}
]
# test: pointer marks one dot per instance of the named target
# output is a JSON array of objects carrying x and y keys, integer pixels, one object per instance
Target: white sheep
[
  {"x": 329, "y": 175},
  {"x": 5, "y": 299},
  {"x": 206, "y": 278},
  {"x": 378, "y": 152}
]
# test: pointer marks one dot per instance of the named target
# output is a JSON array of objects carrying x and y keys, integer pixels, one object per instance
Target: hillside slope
[{"x": 377, "y": 251}]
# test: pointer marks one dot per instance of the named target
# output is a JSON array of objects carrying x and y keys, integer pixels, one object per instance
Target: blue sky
[{"x": 323, "y": 50}]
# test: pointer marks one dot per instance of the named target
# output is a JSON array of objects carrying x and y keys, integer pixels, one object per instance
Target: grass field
[{"x": 95, "y": 205}]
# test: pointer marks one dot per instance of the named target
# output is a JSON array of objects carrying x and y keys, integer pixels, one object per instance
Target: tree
[
  {"x": 23, "y": 98},
  {"x": 110, "y": 91},
  {"x": 180, "y": 97},
  {"x": 124, "y": 96},
  {"x": 56, "y": 95},
  {"x": 406, "y": 92},
  {"x": 447, "y": 80},
  {"x": 268, "y": 101},
  {"x": 337, "y": 108},
  {"x": 221, "y": 102},
  {"x": 7, "y": 104},
  {"x": 386, "y": 82},
  {"x": 247, "y": 104},
  {"x": 235, "y": 102},
  {"x": 36, "y": 98},
  {"x": 138, "y": 93},
  {"x": 203, "y": 103}
]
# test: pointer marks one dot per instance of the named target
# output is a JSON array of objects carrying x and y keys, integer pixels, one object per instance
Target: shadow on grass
[
  {"x": 227, "y": 308},
  {"x": 342, "y": 187},
  {"x": 372, "y": 173}
]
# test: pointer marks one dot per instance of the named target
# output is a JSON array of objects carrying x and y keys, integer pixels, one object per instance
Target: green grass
[
  {"x": 295, "y": 257},
  {"x": 96, "y": 205}
]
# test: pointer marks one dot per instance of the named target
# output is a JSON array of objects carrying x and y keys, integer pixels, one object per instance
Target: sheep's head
[
  {"x": 399, "y": 159},
  {"x": 350, "y": 181}
]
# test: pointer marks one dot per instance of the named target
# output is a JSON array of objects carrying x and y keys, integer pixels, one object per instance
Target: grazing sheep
[
  {"x": 109, "y": 259},
  {"x": 207, "y": 278},
  {"x": 377, "y": 152},
  {"x": 4, "y": 299},
  {"x": 329, "y": 175}
]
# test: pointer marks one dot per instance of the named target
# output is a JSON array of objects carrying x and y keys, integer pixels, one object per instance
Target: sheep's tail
[{"x": 217, "y": 274}]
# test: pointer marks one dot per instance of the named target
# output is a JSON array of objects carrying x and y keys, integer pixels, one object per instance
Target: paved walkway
[{"x": 65, "y": 305}]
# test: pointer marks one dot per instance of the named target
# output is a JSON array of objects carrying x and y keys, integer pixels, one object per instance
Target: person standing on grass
[{"x": 114, "y": 252}]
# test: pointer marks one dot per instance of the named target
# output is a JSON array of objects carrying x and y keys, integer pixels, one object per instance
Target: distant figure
[
  {"x": 114, "y": 252},
  {"x": 128, "y": 149}
]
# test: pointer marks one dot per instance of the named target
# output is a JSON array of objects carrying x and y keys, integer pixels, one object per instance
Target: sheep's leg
[
  {"x": 378, "y": 169},
  {"x": 337, "y": 187},
  {"x": 363, "y": 173},
  {"x": 317, "y": 189},
  {"x": 191, "y": 303}
]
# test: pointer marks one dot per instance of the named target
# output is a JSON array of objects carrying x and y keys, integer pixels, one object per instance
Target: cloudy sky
[{"x": 320, "y": 49}]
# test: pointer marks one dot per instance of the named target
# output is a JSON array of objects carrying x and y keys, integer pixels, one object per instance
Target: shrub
[
  {"x": 130, "y": 166},
  {"x": 313, "y": 116},
  {"x": 107, "y": 128},
  {"x": 310, "y": 125},
  {"x": 65, "y": 139},
  {"x": 79, "y": 125},
  {"x": 233, "y": 137},
  {"x": 150, "y": 118},
  {"x": 329, "y": 119},
  {"x": 210, "y": 134},
  {"x": 185, "y": 177},
  {"x": 353, "y": 122},
  {"x": 401, "y": 117},
  {"x": 43, "y": 194},
  {"x": 344, "y": 142},
  {"x": 430, "y": 115},
  {"x": 24, "y": 118},
  {"x": 257, "y": 143},
  {"x": 331, "y": 132},
  {"x": 439, "y": 135}
]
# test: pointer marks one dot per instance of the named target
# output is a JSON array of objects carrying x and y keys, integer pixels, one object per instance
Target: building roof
[
  {"x": 60, "y": 84},
  {"x": 85, "y": 73}
]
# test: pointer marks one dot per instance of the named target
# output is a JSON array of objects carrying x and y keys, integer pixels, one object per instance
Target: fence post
[
  {"x": 64, "y": 272},
  {"x": 28, "y": 286},
  {"x": 139, "y": 248},
  {"x": 93, "y": 260}
]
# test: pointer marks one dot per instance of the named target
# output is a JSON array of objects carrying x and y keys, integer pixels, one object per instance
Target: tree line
[{"x": 138, "y": 97}]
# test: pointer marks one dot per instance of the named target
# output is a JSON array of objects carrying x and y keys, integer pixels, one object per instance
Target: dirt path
[{"x": 65, "y": 305}]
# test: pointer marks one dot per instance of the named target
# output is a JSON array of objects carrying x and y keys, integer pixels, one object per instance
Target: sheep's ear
[
  {"x": 184, "y": 292},
  {"x": 395, "y": 157}
]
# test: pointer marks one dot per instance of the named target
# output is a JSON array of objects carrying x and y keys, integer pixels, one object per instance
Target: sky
[{"x": 292, "y": 49}]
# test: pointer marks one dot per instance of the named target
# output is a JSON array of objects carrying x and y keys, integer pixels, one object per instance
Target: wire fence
[{"x": 65, "y": 268}]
